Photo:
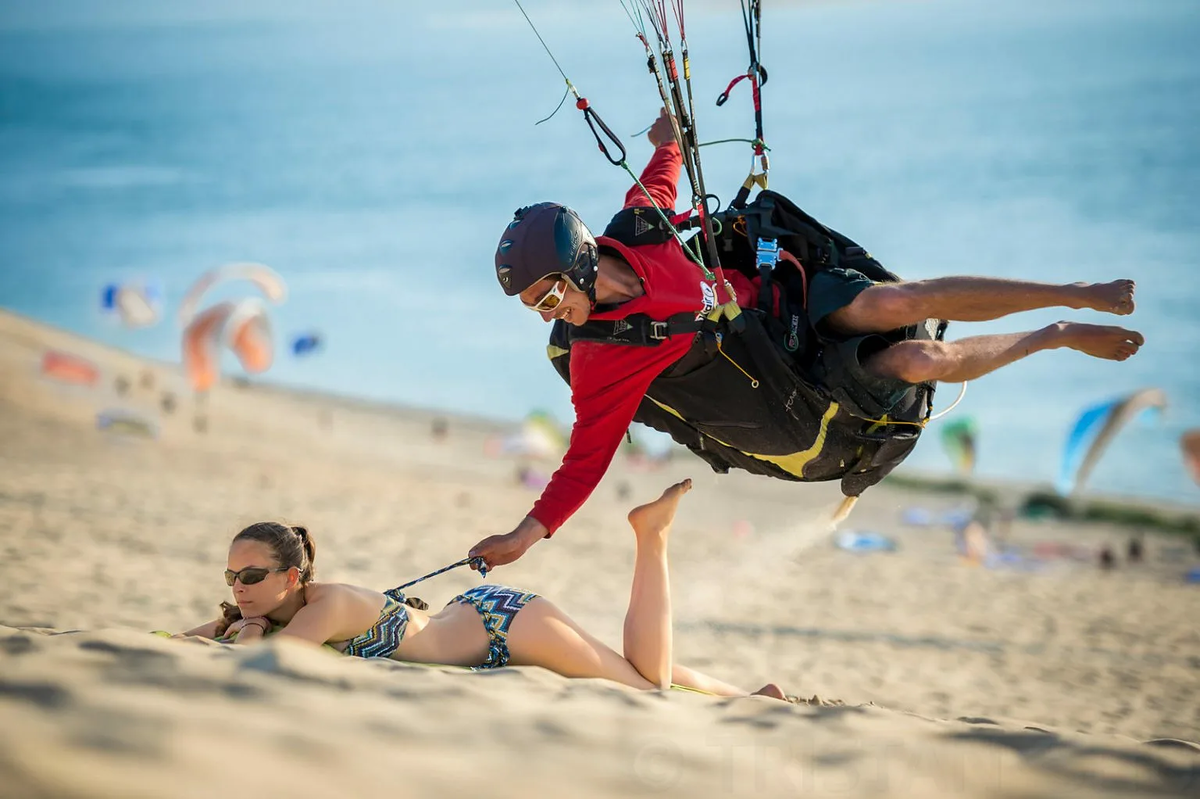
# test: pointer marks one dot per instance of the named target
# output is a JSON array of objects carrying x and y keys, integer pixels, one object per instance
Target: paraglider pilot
[{"x": 549, "y": 259}]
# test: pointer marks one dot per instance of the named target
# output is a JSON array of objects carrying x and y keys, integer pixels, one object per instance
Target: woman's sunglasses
[
  {"x": 251, "y": 574},
  {"x": 551, "y": 299}
]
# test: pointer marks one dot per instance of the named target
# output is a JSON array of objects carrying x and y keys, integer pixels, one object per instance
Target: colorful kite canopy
[
  {"x": 241, "y": 326},
  {"x": 959, "y": 440},
  {"x": 1094, "y": 431},
  {"x": 135, "y": 304},
  {"x": 68, "y": 368},
  {"x": 305, "y": 344},
  {"x": 266, "y": 279}
]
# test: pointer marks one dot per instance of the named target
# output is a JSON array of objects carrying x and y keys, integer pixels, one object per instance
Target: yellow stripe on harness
[{"x": 793, "y": 463}]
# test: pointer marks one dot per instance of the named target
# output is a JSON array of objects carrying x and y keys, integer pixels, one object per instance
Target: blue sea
[{"x": 372, "y": 152}]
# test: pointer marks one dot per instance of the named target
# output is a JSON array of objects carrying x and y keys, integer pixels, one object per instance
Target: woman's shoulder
[{"x": 340, "y": 592}]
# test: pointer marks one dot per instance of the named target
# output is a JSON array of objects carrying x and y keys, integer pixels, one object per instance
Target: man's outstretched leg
[
  {"x": 889, "y": 306},
  {"x": 971, "y": 358}
]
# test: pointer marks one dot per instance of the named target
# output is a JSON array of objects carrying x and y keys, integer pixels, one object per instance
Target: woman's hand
[{"x": 249, "y": 630}]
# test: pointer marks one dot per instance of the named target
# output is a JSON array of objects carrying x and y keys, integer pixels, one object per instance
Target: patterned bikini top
[{"x": 385, "y": 635}]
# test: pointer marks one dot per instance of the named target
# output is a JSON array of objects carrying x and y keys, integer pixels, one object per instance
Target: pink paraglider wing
[{"x": 201, "y": 353}]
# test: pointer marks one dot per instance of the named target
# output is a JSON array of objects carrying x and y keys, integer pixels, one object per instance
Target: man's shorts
[{"x": 842, "y": 357}]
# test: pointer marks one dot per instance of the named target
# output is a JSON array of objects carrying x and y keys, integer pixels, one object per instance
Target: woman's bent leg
[
  {"x": 542, "y": 635},
  {"x": 648, "y": 620}
]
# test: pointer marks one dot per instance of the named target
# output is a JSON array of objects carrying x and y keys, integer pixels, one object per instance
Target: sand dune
[{"x": 956, "y": 680}]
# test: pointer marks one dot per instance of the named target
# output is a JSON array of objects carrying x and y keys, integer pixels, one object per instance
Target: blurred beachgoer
[
  {"x": 270, "y": 568},
  {"x": 975, "y": 546},
  {"x": 1135, "y": 550},
  {"x": 549, "y": 258},
  {"x": 1108, "y": 559}
]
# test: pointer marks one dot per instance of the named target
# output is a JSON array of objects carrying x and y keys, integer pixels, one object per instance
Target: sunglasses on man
[
  {"x": 251, "y": 575},
  {"x": 551, "y": 299}
]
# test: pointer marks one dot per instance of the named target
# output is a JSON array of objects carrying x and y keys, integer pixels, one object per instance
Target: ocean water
[{"x": 373, "y": 151}]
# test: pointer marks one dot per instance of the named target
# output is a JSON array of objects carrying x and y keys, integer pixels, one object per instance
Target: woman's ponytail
[{"x": 309, "y": 570}]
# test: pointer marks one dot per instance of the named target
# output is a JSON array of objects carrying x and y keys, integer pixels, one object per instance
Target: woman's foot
[
  {"x": 772, "y": 690},
  {"x": 654, "y": 518}
]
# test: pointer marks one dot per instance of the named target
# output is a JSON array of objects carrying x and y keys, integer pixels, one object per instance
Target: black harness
[{"x": 797, "y": 418}]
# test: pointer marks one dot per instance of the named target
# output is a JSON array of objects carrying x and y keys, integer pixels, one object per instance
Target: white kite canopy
[{"x": 264, "y": 277}]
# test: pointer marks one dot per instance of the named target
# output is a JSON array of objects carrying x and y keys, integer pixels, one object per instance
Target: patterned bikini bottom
[{"x": 498, "y": 605}]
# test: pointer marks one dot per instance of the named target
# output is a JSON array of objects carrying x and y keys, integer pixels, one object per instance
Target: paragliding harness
[{"x": 780, "y": 402}]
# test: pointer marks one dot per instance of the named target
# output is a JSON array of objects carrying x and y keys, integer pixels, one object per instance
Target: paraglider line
[
  {"x": 479, "y": 562},
  {"x": 961, "y": 393},
  {"x": 557, "y": 107},
  {"x": 543, "y": 41}
]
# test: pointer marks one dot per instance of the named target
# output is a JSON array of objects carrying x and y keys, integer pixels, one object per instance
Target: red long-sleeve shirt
[{"x": 608, "y": 381}]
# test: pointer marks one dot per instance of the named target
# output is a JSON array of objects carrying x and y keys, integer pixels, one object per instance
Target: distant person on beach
[
  {"x": 643, "y": 333},
  {"x": 270, "y": 568},
  {"x": 1134, "y": 552}
]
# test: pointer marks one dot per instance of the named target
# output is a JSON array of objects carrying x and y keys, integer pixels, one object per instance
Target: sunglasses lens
[
  {"x": 549, "y": 302},
  {"x": 252, "y": 576},
  {"x": 247, "y": 576}
]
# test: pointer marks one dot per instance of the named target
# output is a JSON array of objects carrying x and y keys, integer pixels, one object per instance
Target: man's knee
[
  {"x": 877, "y": 309},
  {"x": 910, "y": 361}
]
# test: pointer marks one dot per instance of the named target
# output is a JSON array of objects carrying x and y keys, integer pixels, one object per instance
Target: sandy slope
[{"x": 120, "y": 535}]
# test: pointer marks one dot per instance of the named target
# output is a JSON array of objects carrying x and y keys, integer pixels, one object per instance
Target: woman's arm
[
  {"x": 203, "y": 631},
  {"x": 326, "y": 617}
]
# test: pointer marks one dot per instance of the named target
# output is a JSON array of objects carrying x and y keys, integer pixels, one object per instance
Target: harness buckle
[
  {"x": 767, "y": 253},
  {"x": 659, "y": 331}
]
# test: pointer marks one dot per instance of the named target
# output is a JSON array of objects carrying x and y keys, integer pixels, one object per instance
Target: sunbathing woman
[{"x": 271, "y": 572}]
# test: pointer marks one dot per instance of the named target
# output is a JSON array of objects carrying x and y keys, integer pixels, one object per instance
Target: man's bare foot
[
  {"x": 1099, "y": 341},
  {"x": 1115, "y": 297},
  {"x": 772, "y": 690},
  {"x": 656, "y": 517}
]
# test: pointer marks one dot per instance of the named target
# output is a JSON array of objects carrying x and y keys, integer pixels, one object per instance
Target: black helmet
[{"x": 546, "y": 239}]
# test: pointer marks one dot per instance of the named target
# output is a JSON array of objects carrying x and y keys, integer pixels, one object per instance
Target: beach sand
[{"x": 924, "y": 675}]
